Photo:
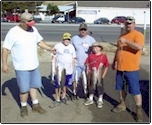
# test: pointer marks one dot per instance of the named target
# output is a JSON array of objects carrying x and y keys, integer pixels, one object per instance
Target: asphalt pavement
[
  {"x": 75, "y": 111},
  {"x": 54, "y": 32}
]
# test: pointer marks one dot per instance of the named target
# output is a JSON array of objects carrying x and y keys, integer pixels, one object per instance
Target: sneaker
[
  {"x": 99, "y": 104},
  {"x": 75, "y": 97},
  {"x": 38, "y": 108},
  {"x": 55, "y": 104},
  {"x": 121, "y": 107},
  {"x": 88, "y": 102},
  {"x": 64, "y": 100},
  {"x": 24, "y": 111}
]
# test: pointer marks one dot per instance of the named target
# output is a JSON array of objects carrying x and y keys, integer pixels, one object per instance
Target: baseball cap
[
  {"x": 28, "y": 18},
  {"x": 130, "y": 19},
  {"x": 83, "y": 26},
  {"x": 97, "y": 44},
  {"x": 67, "y": 35}
]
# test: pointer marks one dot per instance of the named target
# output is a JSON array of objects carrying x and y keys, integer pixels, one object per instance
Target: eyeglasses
[{"x": 83, "y": 29}]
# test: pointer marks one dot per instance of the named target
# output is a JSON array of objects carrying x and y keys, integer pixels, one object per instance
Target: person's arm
[
  {"x": 87, "y": 65},
  {"x": 133, "y": 45},
  {"x": 114, "y": 60},
  {"x": 73, "y": 63},
  {"x": 43, "y": 45},
  {"x": 105, "y": 70},
  {"x": 4, "y": 60},
  {"x": 40, "y": 41}
]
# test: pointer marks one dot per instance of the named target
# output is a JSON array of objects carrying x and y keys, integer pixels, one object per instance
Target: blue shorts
[
  {"x": 67, "y": 83},
  {"x": 132, "y": 80},
  {"x": 79, "y": 70},
  {"x": 28, "y": 79}
]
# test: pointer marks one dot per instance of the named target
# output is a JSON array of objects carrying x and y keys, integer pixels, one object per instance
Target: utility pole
[
  {"x": 145, "y": 24},
  {"x": 35, "y": 8},
  {"x": 76, "y": 8}
]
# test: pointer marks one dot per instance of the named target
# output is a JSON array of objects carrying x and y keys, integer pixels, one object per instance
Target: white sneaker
[
  {"x": 88, "y": 102},
  {"x": 99, "y": 104}
]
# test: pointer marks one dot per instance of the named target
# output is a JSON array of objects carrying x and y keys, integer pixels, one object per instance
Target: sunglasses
[
  {"x": 83, "y": 29},
  {"x": 129, "y": 19},
  {"x": 67, "y": 39},
  {"x": 128, "y": 23},
  {"x": 29, "y": 21}
]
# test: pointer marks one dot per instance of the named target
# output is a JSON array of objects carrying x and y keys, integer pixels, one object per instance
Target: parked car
[
  {"x": 59, "y": 19},
  {"x": 102, "y": 20},
  {"x": 3, "y": 19},
  {"x": 118, "y": 19},
  {"x": 37, "y": 20},
  {"x": 77, "y": 20},
  {"x": 12, "y": 18}
]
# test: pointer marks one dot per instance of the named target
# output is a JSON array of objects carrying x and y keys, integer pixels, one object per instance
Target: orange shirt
[{"x": 127, "y": 58}]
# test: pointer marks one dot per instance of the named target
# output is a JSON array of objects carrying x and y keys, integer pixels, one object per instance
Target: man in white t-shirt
[
  {"x": 22, "y": 40},
  {"x": 64, "y": 59}
]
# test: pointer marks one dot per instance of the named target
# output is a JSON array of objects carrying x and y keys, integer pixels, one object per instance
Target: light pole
[
  {"x": 76, "y": 8},
  {"x": 35, "y": 8},
  {"x": 145, "y": 24}
]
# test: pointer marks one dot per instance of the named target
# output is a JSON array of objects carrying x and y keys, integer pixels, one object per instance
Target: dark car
[
  {"x": 77, "y": 20},
  {"x": 102, "y": 20},
  {"x": 118, "y": 19}
]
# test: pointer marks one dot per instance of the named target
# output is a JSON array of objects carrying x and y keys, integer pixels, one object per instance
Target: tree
[
  {"x": 10, "y": 6},
  {"x": 52, "y": 9},
  {"x": 49, "y": 8}
]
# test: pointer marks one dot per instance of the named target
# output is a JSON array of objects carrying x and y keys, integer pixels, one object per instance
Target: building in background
[
  {"x": 64, "y": 9},
  {"x": 92, "y": 10}
]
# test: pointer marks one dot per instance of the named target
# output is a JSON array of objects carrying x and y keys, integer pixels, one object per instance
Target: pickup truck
[{"x": 59, "y": 19}]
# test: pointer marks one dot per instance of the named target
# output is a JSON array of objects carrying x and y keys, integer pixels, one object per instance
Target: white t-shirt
[
  {"x": 23, "y": 46},
  {"x": 64, "y": 56}
]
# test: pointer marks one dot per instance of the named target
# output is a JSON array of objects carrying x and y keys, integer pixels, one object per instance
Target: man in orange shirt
[{"x": 130, "y": 45}]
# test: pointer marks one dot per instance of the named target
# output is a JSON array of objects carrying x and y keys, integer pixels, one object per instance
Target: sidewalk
[{"x": 75, "y": 112}]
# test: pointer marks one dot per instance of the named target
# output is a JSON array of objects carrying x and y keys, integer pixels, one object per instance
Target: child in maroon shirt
[{"x": 97, "y": 67}]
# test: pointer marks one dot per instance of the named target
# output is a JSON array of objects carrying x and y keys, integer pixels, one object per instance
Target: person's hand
[
  {"x": 5, "y": 69},
  {"x": 113, "y": 66},
  {"x": 53, "y": 51},
  {"x": 122, "y": 40}
]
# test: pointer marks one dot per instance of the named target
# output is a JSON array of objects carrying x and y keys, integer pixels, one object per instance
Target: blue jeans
[
  {"x": 79, "y": 70},
  {"x": 28, "y": 79}
]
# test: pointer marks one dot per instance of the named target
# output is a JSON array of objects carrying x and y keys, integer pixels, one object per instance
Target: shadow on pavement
[
  {"x": 48, "y": 88},
  {"x": 144, "y": 85},
  {"x": 14, "y": 90}
]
